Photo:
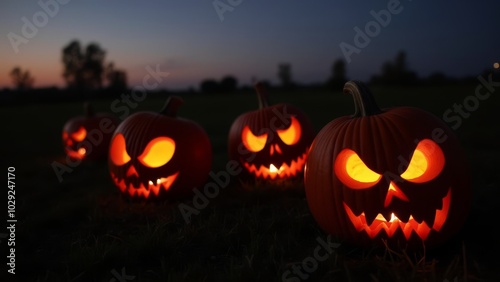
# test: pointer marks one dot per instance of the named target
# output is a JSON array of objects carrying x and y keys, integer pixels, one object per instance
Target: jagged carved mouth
[
  {"x": 422, "y": 229},
  {"x": 143, "y": 190},
  {"x": 78, "y": 154},
  {"x": 283, "y": 171}
]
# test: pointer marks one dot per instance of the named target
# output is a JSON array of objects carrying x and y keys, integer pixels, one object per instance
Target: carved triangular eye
[
  {"x": 291, "y": 135},
  {"x": 426, "y": 163},
  {"x": 252, "y": 142},
  {"x": 80, "y": 134},
  {"x": 353, "y": 172},
  {"x": 118, "y": 150},
  {"x": 158, "y": 152}
]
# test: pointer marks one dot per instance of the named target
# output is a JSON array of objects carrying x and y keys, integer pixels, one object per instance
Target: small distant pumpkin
[
  {"x": 271, "y": 143},
  {"x": 87, "y": 137},
  {"x": 397, "y": 175},
  {"x": 159, "y": 155}
]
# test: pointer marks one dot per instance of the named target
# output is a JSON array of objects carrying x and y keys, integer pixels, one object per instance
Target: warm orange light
[
  {"x": 393, "y": 217},
  {"x": 284, "y": 171},
  {"x": 496, "y": 65},
  {"x": 426, "y": 163},
  {"x": 67, "y": 141},
  {"x": 382, "y": 218},
  {"x": 417, "y": 167},
  {"x": 252, "y": 142},
  {"x": 131, "y": 171},
  {"x": 158, "y": 152},
  {"x": 82, "y": 151},
  {"x": 353, "y": 172},
  {"x": 394, "y": 191},
  {"x": 118, "y": 150},
  {"x": 273, "y": 169},
  {"x": 145, "y": 191},
  {"x": 79, "y": 155},
  {"x": 390, "y": 226},
  {"x": 80, "y": 134},
  {"x": 291, "y": 135}
]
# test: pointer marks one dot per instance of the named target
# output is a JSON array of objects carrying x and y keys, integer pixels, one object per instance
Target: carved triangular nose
[
  {"x": 394, "y": 191},
  {"x": 131, "y": 171},
  {"x": 275, "y": 148}
]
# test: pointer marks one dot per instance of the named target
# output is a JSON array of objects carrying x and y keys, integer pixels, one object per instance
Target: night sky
[{"x": 192, "y": 41}]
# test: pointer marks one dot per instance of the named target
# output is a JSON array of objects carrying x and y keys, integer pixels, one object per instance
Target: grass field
[{"x": 80, "y": 229}]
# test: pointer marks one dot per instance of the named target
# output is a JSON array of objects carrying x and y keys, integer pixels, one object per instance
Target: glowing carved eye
[
  {"x": 158, "y": 152},
  {"x": 352, "y": 172},
  {"x": 426, "y": 163},
  {"x": 291, "y": 135},
  {"x": 118, "y": 151},
  {"x": 252, "y": 142},
  {"x": 80, "y": 134}
]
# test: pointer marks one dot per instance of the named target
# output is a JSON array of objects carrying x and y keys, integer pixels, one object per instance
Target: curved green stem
[
  {"x": 364, "y": 103},
  {"x": 88, "y": 110},
  {"x": 261, "y": 95},
  {"x": 172, "y": 106}
]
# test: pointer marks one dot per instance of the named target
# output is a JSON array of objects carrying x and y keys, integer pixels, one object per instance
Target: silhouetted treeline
[
  {"x": 338, "y": 75},
  {"x": 21, "y": 79},
  {"x": 228, "y": 84},
  {"x": 86, "y": 69},
  {"x": 89, "y": 76},
  {"x": 396, "y": 73}
]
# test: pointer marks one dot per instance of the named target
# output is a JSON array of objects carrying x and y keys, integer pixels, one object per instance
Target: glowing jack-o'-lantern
[
  {"x": 159, "y": 155},
  {"x": 87, "y": 137},
  {"x": 271, "y": 142},
  {"x": 397, "y": 175}
]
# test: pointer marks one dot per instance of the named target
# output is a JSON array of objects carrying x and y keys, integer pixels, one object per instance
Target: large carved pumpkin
[
  {"x": 396, "y": 174},
  {"x": 159, "y": 155},
  {"x": 271, "y": 142},
  {"x": 86, "y": 137}
]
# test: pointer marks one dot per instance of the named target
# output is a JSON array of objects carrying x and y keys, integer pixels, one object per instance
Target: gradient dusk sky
[{"x": 189, "y": 40}]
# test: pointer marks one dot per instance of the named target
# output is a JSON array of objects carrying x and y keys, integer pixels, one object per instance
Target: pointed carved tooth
[
  {"x": 380, "y": 217},
  {"x": 356, "y": 220},
  {"x": 423, "y": 230},
  {"x": 155, "y": 189},
  {"x": 379, "y": 222},
  {"x": 131, "y": 190}
]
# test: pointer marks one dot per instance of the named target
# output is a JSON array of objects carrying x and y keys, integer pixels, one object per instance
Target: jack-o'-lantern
[
  {"x": 87, "y": 137},
  {"x": 159, "y": 155},
  {"x": 397, "y": 175},
  {"x": 271, "y": 142}
]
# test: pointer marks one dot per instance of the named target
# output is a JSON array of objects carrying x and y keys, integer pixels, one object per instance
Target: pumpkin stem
[
  {"x": 261, "y": 95},
  {"x": 88, "y": 110},
  {"x": 364, "y": 103},
  {"x": 171, "y": 106}
]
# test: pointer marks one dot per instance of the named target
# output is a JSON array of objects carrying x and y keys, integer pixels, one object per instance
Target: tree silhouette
[
  {"x": 228, "y": 84},
  {"x": 338, "y": 77},
  {"x": 400, "y": 62},
  {"x": 72, "y": 60},
  {"x": 437, "y": 78},
  {"x": 22, "y": 79},
  {"x": 93, "y": 65},
  {"x": 285, "y": 75},
  {"x": 396, "y": 72},
  {"x": 209, "y": 86},
  {"x": 117, "y": 79},
  {"x": 83, "y": 70}
]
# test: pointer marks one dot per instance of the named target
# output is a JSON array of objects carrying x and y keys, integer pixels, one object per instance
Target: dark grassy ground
[{"x": 80, "y": 229}]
